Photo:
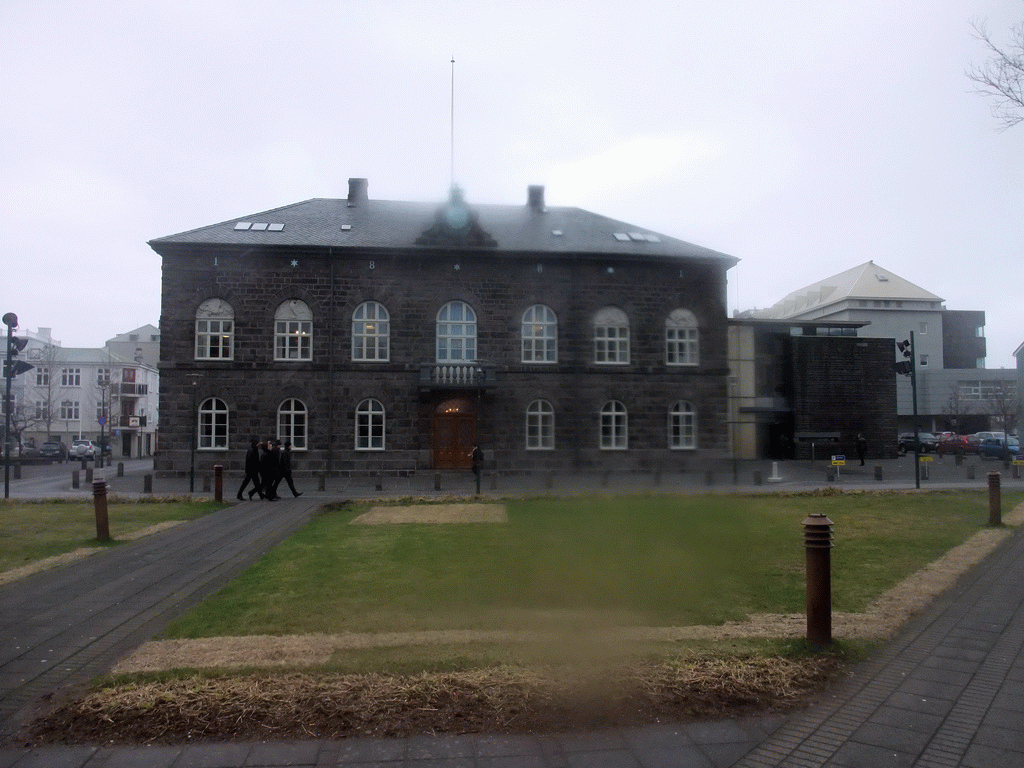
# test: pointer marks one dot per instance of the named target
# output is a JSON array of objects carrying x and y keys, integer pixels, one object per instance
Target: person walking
[
  {"x": 252, "y": 470},
  {"x": 285, "y": 469},
  {"x": 269, "y": 470},
  {"x": 862, "y": 447}
]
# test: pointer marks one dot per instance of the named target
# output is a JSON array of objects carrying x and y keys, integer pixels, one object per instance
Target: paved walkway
[{"x": 948, "y": 691}]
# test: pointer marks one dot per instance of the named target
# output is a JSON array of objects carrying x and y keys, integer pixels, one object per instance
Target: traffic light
[
  {"x": 903, "y": 367},
  {"x": 15, "y": 344}
]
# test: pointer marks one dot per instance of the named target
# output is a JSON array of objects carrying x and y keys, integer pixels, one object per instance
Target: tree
[{"x": 1002, "y": 76}]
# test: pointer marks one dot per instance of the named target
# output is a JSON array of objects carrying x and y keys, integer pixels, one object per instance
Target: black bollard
[
  {"x": 995, "y": 500},
  {"x": 218, "y": 482},
  {"x": 99, "y": 501},
  {"x": 147, "y": 483}
]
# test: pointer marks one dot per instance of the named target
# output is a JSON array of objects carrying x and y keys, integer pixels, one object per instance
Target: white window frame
[
  {"x": 540, "y": 426},
  {"x": 371, "y": 333},
  {"x": 539, "y": 335},
  {"x": 215, "y": 331},
  {"x": 212, "y": 426},
  {"x": 42, "y": 377},
  {"x": 370, "y": 426},
  {"x": 682, "y": 426},
  {"x": 456, "y": 333},
  {"x": 293, "y": 332},
  {"x": 293, "y": 423},
  {"x": 682, "y": 338},
  {"x": 611, "y": 337},
  {"x": 71, "y": 377},
  {"x": 614, "y": 434},
  {"x": 70, "y": 410}
]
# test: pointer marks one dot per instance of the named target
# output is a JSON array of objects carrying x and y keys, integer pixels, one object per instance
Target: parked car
[
  {"x": 53, "y": 449},
  {"x": 928, "y": 441},
  {"x": 84, "y": 449},
  {"x": 951, "y": 442},
  {"x": 997, "y": 448}
]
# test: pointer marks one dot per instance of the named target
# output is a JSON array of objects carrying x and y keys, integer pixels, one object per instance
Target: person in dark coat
[
  {"x": 285, "y": 468},
  {"x": 269, "y": 470},
  {"x": 252, "y": 470},
  {"x": 477, "y": 457},
  {"x": 862, "y": 448}
]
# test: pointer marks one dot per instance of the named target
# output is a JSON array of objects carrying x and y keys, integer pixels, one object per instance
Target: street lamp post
[
  {"x": 195, "y": 434},
  {"x": 11, "y": 321}
]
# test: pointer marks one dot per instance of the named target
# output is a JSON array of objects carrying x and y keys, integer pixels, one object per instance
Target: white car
[{"x": 86, "y": 449}]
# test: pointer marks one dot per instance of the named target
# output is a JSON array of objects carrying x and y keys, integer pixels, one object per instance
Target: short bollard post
[
  {"x": 995, "y": 501},
  {"x": 321, "y": 484},
  {"x": 99, "y": 502},
  {"x": 218, "y": 482},
  {"x": 878, "y": 472},
  {"x": 147, "y": 483},
  {"x": 830, "y": 474},
  {"x": 379, "y": 485},
  {"x": 120, "y": 469},
  {"x": 818, "y": 546},
  {"x": 75, "y": 479},
  {"x": 1016, "y": 471},
  {"x": 17, "y": 471},
  {"x": 437, "y": 481},
  {"x": 959, "y": 458},
  {"x": 970, "y": 471},
  {"x": 88, "y": 475},
  {"x": 924, "y": 470}
]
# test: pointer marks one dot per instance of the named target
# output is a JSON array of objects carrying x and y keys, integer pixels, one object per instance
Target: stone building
[{"x": 392, "y": 336}]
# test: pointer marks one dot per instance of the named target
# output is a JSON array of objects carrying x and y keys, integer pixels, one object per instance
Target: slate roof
[
  {"x": 384, "y": 224},
  {"x": 865, "y": 281}
]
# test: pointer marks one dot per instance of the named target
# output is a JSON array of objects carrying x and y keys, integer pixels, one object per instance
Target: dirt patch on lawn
[
  {"x": 495, "y": 701},
  {"x": 434, "y": 514}
]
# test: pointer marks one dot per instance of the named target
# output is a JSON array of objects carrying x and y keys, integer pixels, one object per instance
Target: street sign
[
  {"x": 927, "y": 458},
  {"x": 839, "y": 461},
  {"x": 102, "y": 421}
]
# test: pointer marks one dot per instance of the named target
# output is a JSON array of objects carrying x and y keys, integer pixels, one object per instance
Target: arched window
[
  {"x": 611, "y": 336},
  {"x": 456, "y": 332},
  {"x": 540, "y": 426},
  {"x": 215, "y": 330},
  {"x": 682, "y": 426},
  {"x": 614, "y": 426},
  {"x": 292, "y": 424},
  {"x": 213, "y": 425},
  {"x": 371, "y": 332},
  {"x": 293, "y": 331},
  {"x": 681, "y": 347},
  {"x": 370, "y": 425},
  {"x": 540, "y": 335}
]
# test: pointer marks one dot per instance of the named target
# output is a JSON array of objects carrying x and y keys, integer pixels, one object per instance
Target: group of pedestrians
[{"x": 266, "y": 465}]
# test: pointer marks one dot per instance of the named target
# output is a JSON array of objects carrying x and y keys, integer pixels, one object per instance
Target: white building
[{"x": 73, "y": 393}]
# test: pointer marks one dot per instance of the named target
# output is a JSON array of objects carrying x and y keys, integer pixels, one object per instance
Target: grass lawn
[
  {"x": 586, "y": 562},
  {"x": 33, "y": 530}
]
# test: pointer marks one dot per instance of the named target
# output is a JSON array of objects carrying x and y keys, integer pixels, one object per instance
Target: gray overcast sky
[{"x": 802, "y": 137}]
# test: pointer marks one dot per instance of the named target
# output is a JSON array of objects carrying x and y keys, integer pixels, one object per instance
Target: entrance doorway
[{"x": 454, "y": 434}]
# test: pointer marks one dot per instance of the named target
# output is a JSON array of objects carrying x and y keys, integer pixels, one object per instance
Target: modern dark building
[{"x": 391, "y": 336}]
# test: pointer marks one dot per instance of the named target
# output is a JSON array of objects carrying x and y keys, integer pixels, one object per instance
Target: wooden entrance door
[{"x": 454, "y": 434}]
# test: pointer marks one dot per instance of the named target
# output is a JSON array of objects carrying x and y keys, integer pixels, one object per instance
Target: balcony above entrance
[{"x": 458, "y": 375}]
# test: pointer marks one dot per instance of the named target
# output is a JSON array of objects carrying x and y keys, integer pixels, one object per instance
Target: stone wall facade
[{"x": 413, "y": 285}]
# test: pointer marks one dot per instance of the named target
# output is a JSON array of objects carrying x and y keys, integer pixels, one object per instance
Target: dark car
[
  {"x": 927, "y": 440},
  {"x": 53, "y": 450},
  {"x": 996, "y": 448}
]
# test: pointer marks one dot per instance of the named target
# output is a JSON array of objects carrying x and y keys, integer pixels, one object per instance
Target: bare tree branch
[{"x": 1002, "y": 76}]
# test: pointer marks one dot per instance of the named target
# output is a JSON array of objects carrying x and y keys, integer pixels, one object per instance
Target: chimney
[
  {"x": 535, "y": 197},
  {"x": 357, "y": 191}
]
